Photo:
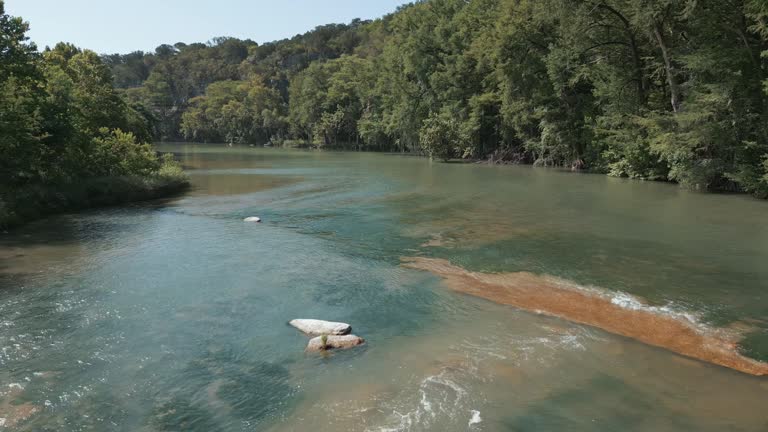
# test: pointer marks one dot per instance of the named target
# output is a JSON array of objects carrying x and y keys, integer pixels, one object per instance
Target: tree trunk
[
  {"x": 642, "y": 81},
  {"x": 674, "y": 89}
]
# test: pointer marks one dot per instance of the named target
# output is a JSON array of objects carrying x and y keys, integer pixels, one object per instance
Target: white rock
[
  {"x": 252, "y": 219},
  {"x": 312, "y": 327},
  {"x": 334, "y": 342}
]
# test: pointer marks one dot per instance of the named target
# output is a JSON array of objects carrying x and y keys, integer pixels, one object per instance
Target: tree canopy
[
  {"x": 659, "y": 89},
  {"x": 61, "y": 118},
  {"x": 671, "y": 90}
]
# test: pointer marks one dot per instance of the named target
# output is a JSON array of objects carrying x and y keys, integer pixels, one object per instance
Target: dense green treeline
[
  {"x": 653, "y": 89},
  {"x": 174, "y": 80},
  {"x": 62, "y": 125}
]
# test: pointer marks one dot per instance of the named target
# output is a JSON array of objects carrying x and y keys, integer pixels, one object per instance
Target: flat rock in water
[
  {"x": 314, "y": 327},
  {"x": 334, "y": 342},
  {"x": 252, "y": 219}
]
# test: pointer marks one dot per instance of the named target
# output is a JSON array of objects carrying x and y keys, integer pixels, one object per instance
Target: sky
[{"x": 122, "y": 26}]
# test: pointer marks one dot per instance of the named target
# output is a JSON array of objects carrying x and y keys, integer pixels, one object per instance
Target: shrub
[
  {"x": 117, "y": 153},
  {"x": 441, "y": 137}
]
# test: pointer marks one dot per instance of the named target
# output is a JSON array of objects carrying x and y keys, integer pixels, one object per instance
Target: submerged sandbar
[{"x": 557, "y": 297}]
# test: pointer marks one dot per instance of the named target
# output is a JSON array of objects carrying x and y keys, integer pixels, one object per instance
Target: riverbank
[
  {"x": 511, "y": 158},
  {"x": 29, "y": 203}
]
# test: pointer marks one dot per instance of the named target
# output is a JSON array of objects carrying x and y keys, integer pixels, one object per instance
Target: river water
[{"x": 171, "y": 315}]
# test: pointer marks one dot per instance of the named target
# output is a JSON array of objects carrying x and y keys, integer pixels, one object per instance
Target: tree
[
  {"x": 671, "y": 90},
  {"x": 21, "y": 123},
  {"x": 328, "y": 100},
  {"x": 61, "y": 118},
  {"x": 21, "y": 133},
  {"x": 17, "y": 54},
  {"x": 441, "y": 137},
  {"x": 235, "y": 112}
]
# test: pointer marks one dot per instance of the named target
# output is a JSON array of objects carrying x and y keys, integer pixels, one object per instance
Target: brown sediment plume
[
  {"x": 436, "y": 240},
  {"x": 12, "y": 414},
  {"x": 236, "y": 184},
  {"x": 556, "y": 297},
  {"x": 462, "y": 232},
  {"x": 448, "y": 224},
  {"x": 20, "y": 413}
]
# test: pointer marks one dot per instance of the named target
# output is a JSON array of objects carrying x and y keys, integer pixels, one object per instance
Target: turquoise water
[{"x": 172, "y": 315}]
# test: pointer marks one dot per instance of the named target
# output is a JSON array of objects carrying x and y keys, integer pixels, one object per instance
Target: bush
[
  {"x": 442, "y": 137},
  {"x": 32, "y": 202},
  {"x": 117, "y": 153},
  {"x": 169, "y": 168}
]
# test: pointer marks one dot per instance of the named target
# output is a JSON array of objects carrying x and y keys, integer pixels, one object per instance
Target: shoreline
[
  {"x": 485, "y": 161},
  {"x": 30, "y": 203}
]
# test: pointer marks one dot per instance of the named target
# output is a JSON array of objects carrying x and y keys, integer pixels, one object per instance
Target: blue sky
[{"x": 109, "y": 26}]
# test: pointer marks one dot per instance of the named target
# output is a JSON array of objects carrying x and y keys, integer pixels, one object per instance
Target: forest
[{"x": 671, "y": 90}]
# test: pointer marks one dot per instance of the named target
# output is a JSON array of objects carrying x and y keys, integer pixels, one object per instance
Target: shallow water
[{"x": 172, "y": 315}]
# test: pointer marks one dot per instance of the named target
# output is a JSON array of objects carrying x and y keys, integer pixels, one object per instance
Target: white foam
[
  {"x": 573, "y": 342},
  {"x": 631, "y": 302},
  {"x": 425, "y": 403},
  {"x": 628, "y": 301},
  {"x": 441, "y": 380},
  {"x": 475, "y": 419},
  {"x": 440, "y": 397},
  {"x": 404, "y": 423}
]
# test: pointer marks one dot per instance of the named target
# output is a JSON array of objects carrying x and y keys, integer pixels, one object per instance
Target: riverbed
[{"x": 172, "y": 315}]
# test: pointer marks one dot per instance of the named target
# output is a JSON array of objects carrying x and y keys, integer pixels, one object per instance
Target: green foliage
[
  {"x": 116, "y": 153},
  {"x": 17, "y": 54},
  {"x": 441, "y": 137},
  {"x": 235, "y": 112},
  {"x": 20, "y": 132},
  {"x": 67, "y": 137},
  {"x": 171, "y": 169},
  {"x": 624, "y": 146},
  {"x": 36, "y": 200},
  {"x": 328, "y": 98},
  {"x": 669, "y": 90},
  {"x": 130, "y": 70}
]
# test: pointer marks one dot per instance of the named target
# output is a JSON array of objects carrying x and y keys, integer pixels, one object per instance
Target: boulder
[
  {"x": 252, "y": 219},
  {"x": 312, "y": 327},
  {"x": 334, "y": 342}
]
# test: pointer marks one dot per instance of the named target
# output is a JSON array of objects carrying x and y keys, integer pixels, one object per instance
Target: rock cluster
[
  {"x": 313, "y": 327},
  {"x": 327, "y": 335},
  {"x": 322, "y": 343}
]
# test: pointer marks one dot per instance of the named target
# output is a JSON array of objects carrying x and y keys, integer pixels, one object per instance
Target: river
[{"x": 173, "y": 315}]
